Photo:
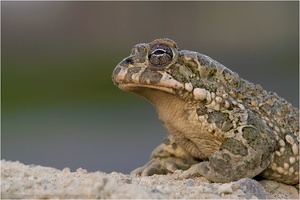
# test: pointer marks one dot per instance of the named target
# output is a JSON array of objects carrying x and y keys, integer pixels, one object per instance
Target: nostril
[{"x": 129, "y": 60}]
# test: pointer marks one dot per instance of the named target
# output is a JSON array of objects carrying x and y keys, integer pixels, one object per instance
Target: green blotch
[{"x": 235, "y": 146}]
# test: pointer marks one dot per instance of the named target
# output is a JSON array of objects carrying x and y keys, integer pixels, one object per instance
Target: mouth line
[{"x": 134, "y": 86}]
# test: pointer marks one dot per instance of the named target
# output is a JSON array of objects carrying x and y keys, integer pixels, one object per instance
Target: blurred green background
[{"x": 59, "y": 105}]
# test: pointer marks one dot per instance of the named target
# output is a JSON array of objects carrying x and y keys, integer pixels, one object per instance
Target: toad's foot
[
  {"x": 167, "y": 158},
  {"x": 164, "y": 166},
  {"x": 203, "y": 169}
]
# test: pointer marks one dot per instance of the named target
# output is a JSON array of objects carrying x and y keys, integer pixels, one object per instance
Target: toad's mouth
[
  {"x": 127, "y": 80},
  {"x": 141, "y": 81},
  {"x": 133, "y": 87}
]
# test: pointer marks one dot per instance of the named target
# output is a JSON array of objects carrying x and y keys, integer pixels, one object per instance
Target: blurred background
[{"x": 59, "y": 105}]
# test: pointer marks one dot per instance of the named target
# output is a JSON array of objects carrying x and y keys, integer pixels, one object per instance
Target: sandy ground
[{"x": 32, "y": 181}]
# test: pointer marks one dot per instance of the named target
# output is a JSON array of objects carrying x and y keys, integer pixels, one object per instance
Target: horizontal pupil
[{"x": 157, "y": 52}]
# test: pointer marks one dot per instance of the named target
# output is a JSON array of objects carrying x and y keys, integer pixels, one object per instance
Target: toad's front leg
[
  {"x": 246, "y": 152},
  {"x": 166, "y": 158}
]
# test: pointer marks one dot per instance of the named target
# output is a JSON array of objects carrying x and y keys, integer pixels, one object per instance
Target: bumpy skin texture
[{"x": 221, "y": 126}]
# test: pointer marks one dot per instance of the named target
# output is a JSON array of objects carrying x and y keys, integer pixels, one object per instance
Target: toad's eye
[{"x": 160, "y": 55}]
